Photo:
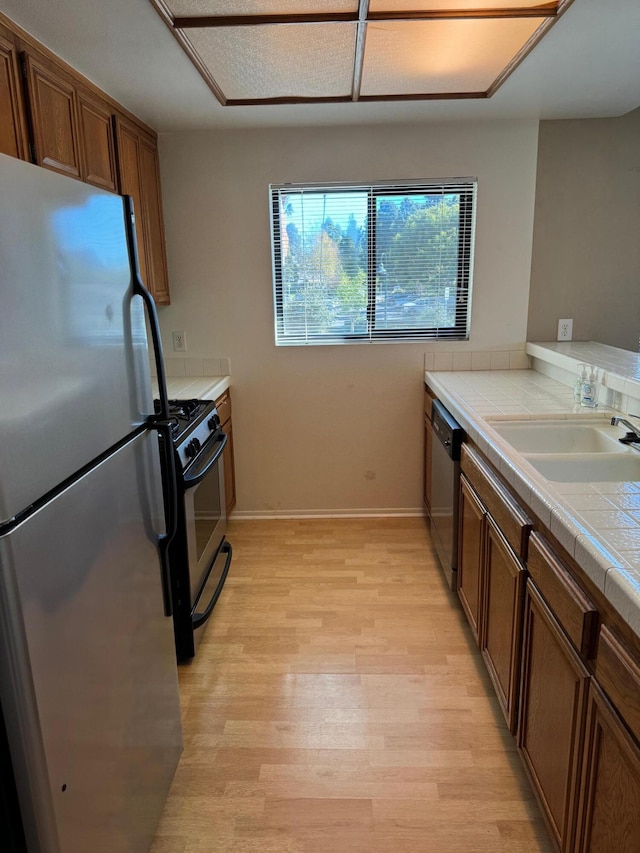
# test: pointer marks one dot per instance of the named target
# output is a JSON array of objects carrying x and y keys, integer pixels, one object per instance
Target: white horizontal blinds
[
  {"x": 320, "y": 253},
  {"x": 375, "y": 262},
  {"x": 421, "y": 277}
]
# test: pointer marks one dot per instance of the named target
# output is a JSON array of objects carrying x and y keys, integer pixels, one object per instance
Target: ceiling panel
[
  {"x": 437, "y": 57},
  {"x": 397, "y": 6},
  {"x": 289, "y": 60},
  {"x": 258, "y": 7}
]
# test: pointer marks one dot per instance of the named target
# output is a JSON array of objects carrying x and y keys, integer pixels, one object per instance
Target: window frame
[{"x": 466, "y": 188}]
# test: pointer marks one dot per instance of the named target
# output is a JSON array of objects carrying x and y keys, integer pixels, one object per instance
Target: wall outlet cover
[
  {"x": 565, "y": 330},
  {"x": 179, "y": 342}
]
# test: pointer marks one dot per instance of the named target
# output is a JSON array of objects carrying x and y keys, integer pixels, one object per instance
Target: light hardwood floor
[{"x": 337, "y": 704}]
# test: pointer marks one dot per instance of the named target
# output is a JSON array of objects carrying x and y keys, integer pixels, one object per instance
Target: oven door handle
[
  {"x": 206, "y": 463},
  {"x": 198, "y": 619}
]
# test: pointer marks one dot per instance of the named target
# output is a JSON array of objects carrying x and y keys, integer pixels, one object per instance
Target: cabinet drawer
[
  {"x": 575, "y": 612},
  {"x": 223, "y": 405},
  {"x": 514, "y": 525},
  {"x": 619, "y": 676}
]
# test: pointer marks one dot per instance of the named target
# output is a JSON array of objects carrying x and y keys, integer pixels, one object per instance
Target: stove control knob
[
  {"x": 214, "y": 422},
  {"x": 192, "y": 448}
]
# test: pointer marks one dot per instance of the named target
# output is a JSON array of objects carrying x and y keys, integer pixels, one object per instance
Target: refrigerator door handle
[
  {"x": 159, "y": 422},
  {"x": 140, "y": 290},
  {"x": 171, "y": 503}
]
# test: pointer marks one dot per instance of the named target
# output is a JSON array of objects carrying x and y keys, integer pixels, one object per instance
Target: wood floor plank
[{"x": 338, "y": 704}]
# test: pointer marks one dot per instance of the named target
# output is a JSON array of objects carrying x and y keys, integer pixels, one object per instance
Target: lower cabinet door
[
  {"x": 428, "y": 448},
  {"x": 229, "y": 469},
  {"x": 552, "y": 717},
  {"x": 610, "y": 807},
  {"x": 501, "y": 632},
  {"x": 471, "y": 537}
]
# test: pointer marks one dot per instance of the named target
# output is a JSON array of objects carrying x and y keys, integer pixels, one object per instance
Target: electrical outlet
[
  {"x": 179, "y": 342},
  {"x": 565, "y": 330}
]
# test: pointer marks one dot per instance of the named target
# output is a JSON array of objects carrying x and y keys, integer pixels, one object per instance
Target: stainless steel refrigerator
[{"x": 88, "y": 680}]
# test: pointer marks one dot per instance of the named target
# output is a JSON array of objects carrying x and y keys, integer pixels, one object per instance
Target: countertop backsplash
[{"x": 178, "y": 367}]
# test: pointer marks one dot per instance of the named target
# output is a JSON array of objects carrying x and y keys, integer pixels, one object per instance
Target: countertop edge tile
[{"x": 622, "y": 589}]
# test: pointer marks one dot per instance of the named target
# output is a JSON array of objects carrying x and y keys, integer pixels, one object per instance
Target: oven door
[{"x": 205, "y": 514}]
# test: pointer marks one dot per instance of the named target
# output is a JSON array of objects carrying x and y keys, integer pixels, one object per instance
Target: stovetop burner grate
[{"x": 184, "y": 415}]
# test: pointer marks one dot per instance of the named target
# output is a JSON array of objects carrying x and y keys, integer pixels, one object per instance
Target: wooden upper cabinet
[
  {"x": 54, "y": 117},
  {"x": 98, "y": 149},
  {"x": 129, "y": 174},
  {"x": 13, "y": 128},
  {"x": 72, "y": 129},
  {"x": 137, "y": 160},
  {"x": 153, "y": 220}
]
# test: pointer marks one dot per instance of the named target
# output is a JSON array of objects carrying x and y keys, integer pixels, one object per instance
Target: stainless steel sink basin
[
  {"x": 561, "y": 436},
  {"x": 589, "y": 467}
]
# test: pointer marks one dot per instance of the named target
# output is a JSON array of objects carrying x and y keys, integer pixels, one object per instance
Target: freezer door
[
  {"x": 88, "y": 677},
  {"x": 74, "y": 369}
]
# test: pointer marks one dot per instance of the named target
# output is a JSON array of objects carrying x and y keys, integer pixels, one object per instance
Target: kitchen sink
[
  {"x": 561, "y": 436},
  {"x": 573, "y": 450},
  {"x": 588, "y": 468}
]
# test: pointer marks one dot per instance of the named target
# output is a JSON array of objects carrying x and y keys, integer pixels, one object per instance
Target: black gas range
[
  {"x": 199, "y": 554},
  {"x": 192, "y": 422}
]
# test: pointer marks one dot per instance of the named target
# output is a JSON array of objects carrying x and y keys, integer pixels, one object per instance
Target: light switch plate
[{"x": 565, "y": 330}]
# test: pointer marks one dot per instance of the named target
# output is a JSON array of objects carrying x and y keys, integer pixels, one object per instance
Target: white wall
[
  {"x": 331, "y": 427},
  {"x": 586, "y": 249}
]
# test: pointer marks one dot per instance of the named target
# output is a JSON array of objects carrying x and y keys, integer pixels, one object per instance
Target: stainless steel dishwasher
[{"x": 445, "y": 479}]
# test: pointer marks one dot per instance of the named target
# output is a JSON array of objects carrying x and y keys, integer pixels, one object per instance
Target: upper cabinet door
[
  {"x": 129, "y": 174},
  {"x": 99, "y": 158},
  {"x": 153, "y": 220},
  {"x": 137, "y": 159},
  {"x": 13, "y": 129},
  {"x": 54, "y": 117}
]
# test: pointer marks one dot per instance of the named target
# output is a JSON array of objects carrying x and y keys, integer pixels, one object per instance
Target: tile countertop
[
  {"x": 597, "y": 523},
  {"x": 190, "y": 387}
]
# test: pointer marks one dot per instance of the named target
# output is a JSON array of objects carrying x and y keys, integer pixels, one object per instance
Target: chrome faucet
[{"x": 633, "y": 433}]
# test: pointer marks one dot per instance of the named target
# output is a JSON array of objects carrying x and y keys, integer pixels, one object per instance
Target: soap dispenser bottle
[
  {"x": 580, "y": 380},
  {"x": 590, "y": 390}
]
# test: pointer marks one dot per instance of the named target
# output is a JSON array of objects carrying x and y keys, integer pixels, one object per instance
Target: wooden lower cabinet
[
  {"x": 501, "y": 632},
  {"x": 610, "y": 807},
  {"x": 223, "y": 405},
  {"x": 552, "y": 717},
  {"x": 428, "y": 450},
  {"x": 471, "y": 545},
  {"x": 229, "y": 469}
]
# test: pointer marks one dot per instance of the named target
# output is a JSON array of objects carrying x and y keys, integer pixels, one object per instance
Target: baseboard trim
[{"x": 389, "y": 512}]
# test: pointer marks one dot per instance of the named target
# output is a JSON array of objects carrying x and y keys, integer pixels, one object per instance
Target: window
[{"x": 385, "y": 262}]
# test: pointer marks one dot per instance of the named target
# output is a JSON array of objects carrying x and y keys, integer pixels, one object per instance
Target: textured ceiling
[
  {"x": 292, "y": 51},
  {"x": 587, "y": 65}
]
